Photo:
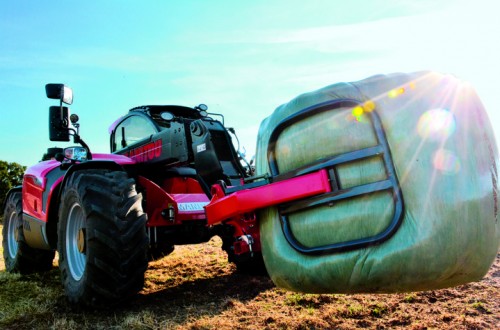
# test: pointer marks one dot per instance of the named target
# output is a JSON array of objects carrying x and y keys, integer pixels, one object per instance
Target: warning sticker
[{"x": 201, "y": 147}]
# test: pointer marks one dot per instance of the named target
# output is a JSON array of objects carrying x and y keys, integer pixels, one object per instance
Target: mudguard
[{"x": 414, "y": 205}]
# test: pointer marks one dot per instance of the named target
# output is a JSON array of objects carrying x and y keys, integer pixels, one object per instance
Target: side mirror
[
  {"x": 59, "y": 124},
  {"x": 59, "y": 92}
]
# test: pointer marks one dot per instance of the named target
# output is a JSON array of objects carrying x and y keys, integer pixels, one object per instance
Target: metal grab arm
[{"x": 244, "y": 201}]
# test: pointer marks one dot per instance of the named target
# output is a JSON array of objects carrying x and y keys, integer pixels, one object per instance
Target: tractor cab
[{"x": 180, "y": 139}]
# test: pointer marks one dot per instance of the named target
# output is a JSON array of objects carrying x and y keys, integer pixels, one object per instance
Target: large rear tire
[
  {"x": 102, "y": 239},
  {"x": 19, "y": 257}
]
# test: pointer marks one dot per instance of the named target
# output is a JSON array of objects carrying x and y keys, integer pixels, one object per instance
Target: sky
[{"x": 241, "y": 58}]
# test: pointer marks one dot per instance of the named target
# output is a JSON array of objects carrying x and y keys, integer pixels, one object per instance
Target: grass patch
[
  {"x": 410, "y": 298},
  {"x": 142, "y": 320},
  {"x": 195, "y": 288},
  {"x": 481, "y": 307},
  {"x": 28, "y": 298},
  {"x": 378, "y": 310},
  {"x": 354, "y": 310}
]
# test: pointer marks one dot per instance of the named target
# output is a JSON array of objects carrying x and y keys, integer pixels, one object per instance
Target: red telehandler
[
  {"x": 173, "y": 177},
  {"x": 389, "y": 184}
]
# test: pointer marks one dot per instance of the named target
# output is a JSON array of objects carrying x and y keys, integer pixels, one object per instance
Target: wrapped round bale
[{"x": 414, "y": 205}]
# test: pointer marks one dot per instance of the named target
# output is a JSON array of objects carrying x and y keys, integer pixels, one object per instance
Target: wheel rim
[
  {"x": 12, "y": 233},
  {"x": 75, "y": 241}
]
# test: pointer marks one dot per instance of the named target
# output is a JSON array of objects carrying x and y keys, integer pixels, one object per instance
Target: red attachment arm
[{"x": 240, "y": 202}]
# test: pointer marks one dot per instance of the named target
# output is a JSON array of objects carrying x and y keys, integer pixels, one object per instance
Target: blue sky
[{"x": 241, "y": 58}]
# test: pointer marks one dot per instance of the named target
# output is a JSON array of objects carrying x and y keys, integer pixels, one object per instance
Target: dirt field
[{"x": 195, "y": 288}]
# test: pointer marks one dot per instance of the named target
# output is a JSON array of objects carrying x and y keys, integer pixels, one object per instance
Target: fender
[
  {"x": 11, "y": 190},
  {"x": 90, "y": 165},
  {"x": 53, "y": 207}
]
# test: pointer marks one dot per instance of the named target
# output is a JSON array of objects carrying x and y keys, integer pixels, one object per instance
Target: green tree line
[{"x": 11, "y": 175}]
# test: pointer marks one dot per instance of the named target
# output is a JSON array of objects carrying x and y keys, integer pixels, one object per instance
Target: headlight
[{"x": 75, "y": 153}]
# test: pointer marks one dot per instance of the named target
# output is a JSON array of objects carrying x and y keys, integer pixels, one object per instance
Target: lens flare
[
  {"x": 436, "y": 124},
  {"x": 357, "y": 111},
  {"x": 446, "y": 162},
  {"x": 369, "y": 106},
  {"x": 395, "y": 92}
]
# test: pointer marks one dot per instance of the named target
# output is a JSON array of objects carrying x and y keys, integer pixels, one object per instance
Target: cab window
[{"x": 132, "y": 130}]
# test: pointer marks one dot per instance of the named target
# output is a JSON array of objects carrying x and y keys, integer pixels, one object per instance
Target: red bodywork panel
[
  {"x": 35, "y": 183},
  {"x": 186, "y": 198},
  {"x": 244, "y": 201}
]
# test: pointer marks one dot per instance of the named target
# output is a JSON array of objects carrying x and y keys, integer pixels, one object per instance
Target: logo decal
[
  {"x": 196, "y": 206},
  {"x": 146, "y": 152}
]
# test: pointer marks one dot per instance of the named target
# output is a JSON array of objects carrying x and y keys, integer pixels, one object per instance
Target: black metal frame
[{"x": 337, "y": 194}]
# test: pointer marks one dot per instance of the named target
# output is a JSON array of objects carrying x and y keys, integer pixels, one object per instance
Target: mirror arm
[{"x": 78, "y": 139}]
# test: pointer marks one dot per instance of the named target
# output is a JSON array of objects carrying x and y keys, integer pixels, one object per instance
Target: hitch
[{"x": 244, "y": 244}]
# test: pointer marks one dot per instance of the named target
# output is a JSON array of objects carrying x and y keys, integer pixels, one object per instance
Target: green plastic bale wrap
[{"x": 446, "y": 163}]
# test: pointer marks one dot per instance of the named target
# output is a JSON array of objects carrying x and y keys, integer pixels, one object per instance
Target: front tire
[
  {"x": 102, "y": 239},
  {"x": 19, "y": 257}
]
